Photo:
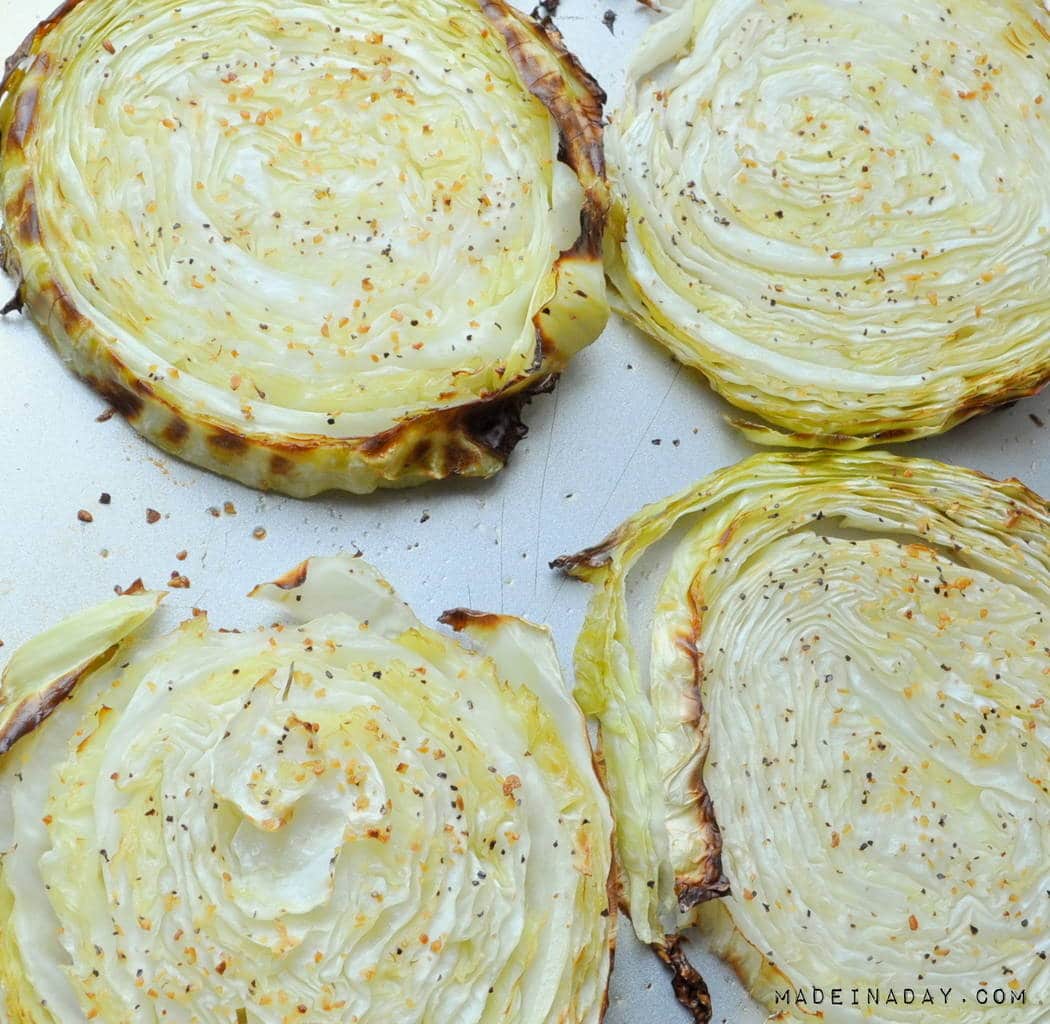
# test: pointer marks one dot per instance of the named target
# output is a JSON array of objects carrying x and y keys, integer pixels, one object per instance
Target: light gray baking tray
[{"x": 598, "y": 448}]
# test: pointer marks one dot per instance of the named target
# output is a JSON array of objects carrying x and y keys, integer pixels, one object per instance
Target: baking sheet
[{"x": 625, "y": 426}]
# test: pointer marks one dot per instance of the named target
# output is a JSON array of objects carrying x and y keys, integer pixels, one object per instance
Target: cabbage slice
[
  {"x": 332, "y": 245},
  {"x": 836, "y": 210},
  {"x": 834, "y": 759},
  {"x": 346, "y": 816}
]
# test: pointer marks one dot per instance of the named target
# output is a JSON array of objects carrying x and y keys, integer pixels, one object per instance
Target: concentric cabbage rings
[
  {"x": 335, "y": 245},
  {"x": 838, "y": 767},
  {"x": 837, "y": 209},
  {"x": 350, "y": 819}
]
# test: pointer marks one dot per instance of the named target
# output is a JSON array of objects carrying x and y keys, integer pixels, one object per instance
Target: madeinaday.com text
[{"x": 903, "y": 996}]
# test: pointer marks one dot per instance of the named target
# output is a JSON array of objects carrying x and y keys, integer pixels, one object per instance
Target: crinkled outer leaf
[
  {"x": 43, "y": 672},
  {"x": 351, "y": 818},
  {"x": 845, "y": 728},
  {"x": 324, "y": 245},
  {"x": 837, "y": 209}
]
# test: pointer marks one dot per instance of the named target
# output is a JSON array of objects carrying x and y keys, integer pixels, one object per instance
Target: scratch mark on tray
[
  {"x": 543, "y": 488},
  {"x": 623, "y": 472},
  {"x": 637, "y": 445},
  {"x": 499, "y": 544}
]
